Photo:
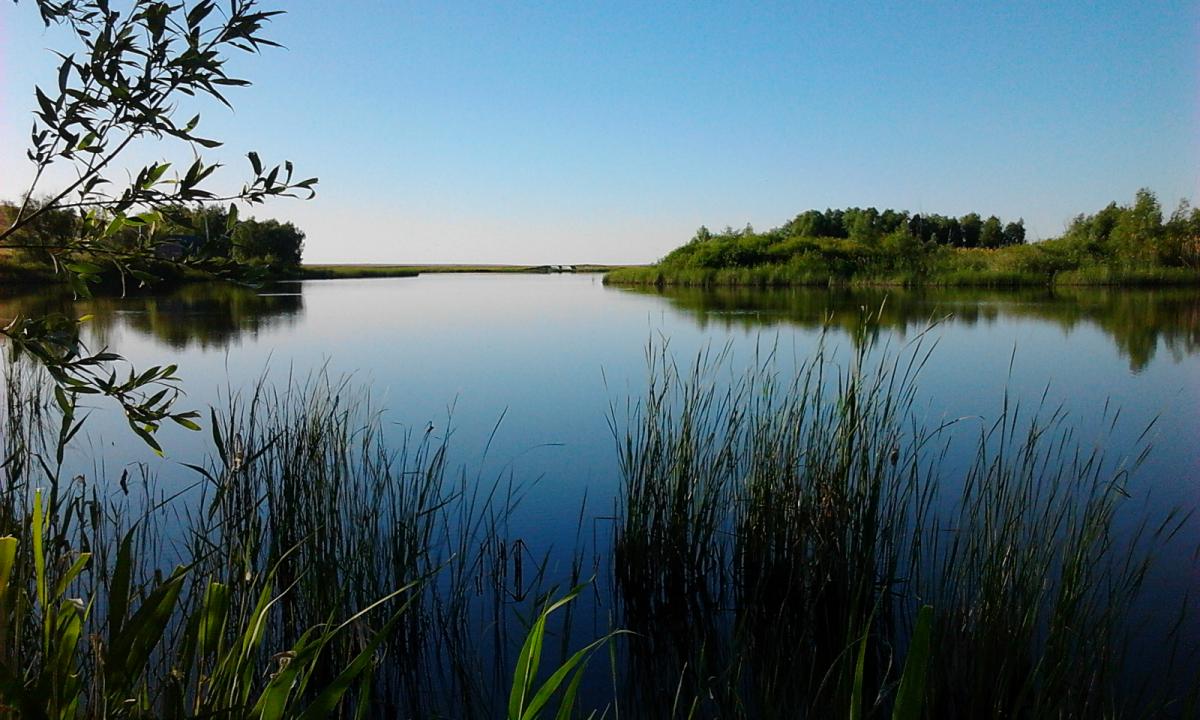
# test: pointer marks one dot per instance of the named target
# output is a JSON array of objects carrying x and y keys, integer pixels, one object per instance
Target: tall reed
[
  {"x": 312, "y": 547},
  {"x": 777, "y": 535}
]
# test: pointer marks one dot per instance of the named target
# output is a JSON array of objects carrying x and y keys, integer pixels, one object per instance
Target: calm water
[{"x": 551, "y": 354}]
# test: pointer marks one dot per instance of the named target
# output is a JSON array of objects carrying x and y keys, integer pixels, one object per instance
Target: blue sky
[{"x": 608, "y": 132}]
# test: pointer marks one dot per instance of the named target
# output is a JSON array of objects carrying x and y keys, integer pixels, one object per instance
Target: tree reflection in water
[
  {"x": 1137, "y": 320},
  {"x": 192, "y": 316}
]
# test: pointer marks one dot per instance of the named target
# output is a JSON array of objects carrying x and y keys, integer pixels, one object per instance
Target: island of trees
[{"x": 1119, "y": 245}]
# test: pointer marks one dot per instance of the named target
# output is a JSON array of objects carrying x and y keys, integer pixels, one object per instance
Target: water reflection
[
  {"x": 550, "y": 353},
  {"x": 195, "y": 316},
  {"x": 1139, "y": 322}
]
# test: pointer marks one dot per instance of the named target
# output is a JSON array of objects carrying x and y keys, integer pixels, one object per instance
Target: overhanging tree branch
[{"x": 125, "y": 84}]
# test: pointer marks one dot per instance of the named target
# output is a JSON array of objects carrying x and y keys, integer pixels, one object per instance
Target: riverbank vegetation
[
  {"x": 1120, "y": 245},
  {"x": 782, "y": 544},
  {"x": 174, "y": 244}
]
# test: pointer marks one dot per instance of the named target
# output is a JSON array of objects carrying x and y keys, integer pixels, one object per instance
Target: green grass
[
  {"x": 1132, "y": 277},
  {"x": 783, "y": 276},
  {"x": 330, "y": 272},
  {"x": 1017, "y": 266},
  {"x": 16, "y": 270}
]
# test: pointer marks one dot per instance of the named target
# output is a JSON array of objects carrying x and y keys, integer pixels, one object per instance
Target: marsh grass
[
  {"x": 761, "y": 526},
  {"x": 1006, "y": 268},
  {"x": 310, "y": 479},
  {"x": 319, "y": 544},
  {"x": 778, "y": 534}
]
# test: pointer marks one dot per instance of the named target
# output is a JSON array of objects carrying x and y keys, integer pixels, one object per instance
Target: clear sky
[{"x": 608, "y": 132}]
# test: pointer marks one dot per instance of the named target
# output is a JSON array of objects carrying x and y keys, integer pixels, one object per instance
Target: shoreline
[
  {"x": 32, "y": 276},
  {"x": 18, "y": 273},
  {"x": 779, "y": 277}
]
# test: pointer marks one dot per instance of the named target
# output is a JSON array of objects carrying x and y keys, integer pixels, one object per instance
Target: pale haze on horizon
[{"x": 573, "y": 132}]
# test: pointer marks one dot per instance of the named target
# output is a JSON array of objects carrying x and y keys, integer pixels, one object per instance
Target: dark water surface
[{"x": 551, "y": 354}]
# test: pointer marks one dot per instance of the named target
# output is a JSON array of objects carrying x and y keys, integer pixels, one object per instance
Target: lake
[{"x": 527, "y": 371}]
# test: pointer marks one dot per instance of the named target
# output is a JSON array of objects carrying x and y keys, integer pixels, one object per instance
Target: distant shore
[
  {"x": 16, "y": 271},
  {"x": 365, "y": 270}
]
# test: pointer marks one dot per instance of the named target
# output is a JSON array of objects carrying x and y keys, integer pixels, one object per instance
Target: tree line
[
  {"x": 854, "y": 241},
  {"x": 869, "y": 226},
  {"x": 846, "y": 241},
  {"x": 1136, "y": 235},
  {"x": 176, "y": 234}
]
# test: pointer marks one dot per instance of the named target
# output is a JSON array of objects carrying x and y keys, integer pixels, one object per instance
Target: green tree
[
  {"x": 817, "y": 224},
  {"x": 1088, "y": 235},
  {"x": 1136, "y": 234},
  {"x": 47, "y": 230},
  {"x": 972, "y": 230},
  {"x": 905, "y": 250},
  {"x": 864, "y": 225},
  {"x": 991, "y": 234},
  {"x": 1014, "y": 233},
  {"x": 1181, "y": 237},
  {"x": 268, "y": 242}
]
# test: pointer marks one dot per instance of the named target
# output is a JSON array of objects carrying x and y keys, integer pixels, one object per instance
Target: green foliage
[
  {"x": 268, "y": 242},
  {"x": 126, "y": 83},
  {"x": 864, "y": 246},
  {"x": 526, "y": 702},
  {"x": 910, "y": 694},
  {"x": 991, "y": 233},
  {"x": 215, "y": 666},
  {"x": 1134, "y": 237},
  {"x": 838, "y": 245},
  {"x": 147, "y": 397},
  {"x": 775, "y": 547},
  {"x": 339, "y": 520},
  {"x": 48, "y": 229}
]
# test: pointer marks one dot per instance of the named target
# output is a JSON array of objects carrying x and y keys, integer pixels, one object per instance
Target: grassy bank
[
  {"x": 805, "y": 275},
  {"x": 15, "y": 270},
  {"x": 24, "y": 271},
  {"x": 955, "y": 268},
  {"x": 332, "y": 272},
  {"x": 781, "y": 544}
]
